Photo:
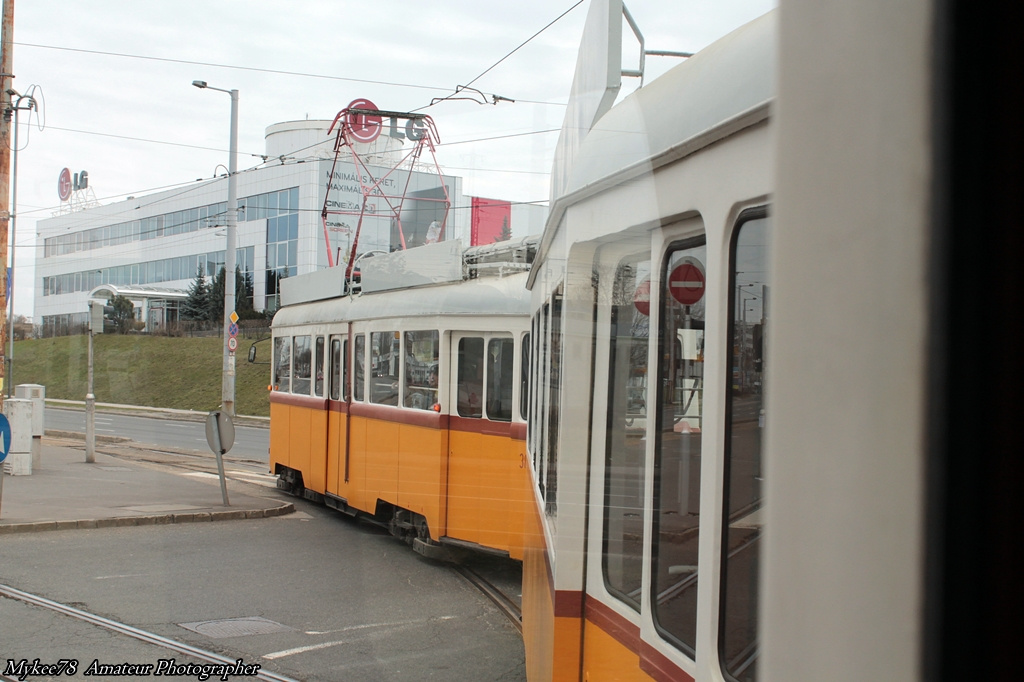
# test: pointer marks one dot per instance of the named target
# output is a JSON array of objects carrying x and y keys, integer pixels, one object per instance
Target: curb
[
  {"x": 75, "y": 435},
  {"x": 198, "y": 416},
  {"x": 154, "y": 520}
]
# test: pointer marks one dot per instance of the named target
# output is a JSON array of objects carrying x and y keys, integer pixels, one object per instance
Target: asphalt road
[
  {"x": 330, "y": 599},
  {"x": 251, "y": 443}
]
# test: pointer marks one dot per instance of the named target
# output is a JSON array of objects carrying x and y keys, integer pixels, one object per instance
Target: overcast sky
[{"x": 114, "y": 79}]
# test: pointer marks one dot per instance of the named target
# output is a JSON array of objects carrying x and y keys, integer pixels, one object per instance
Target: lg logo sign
[{"x": 66, "y": 184}]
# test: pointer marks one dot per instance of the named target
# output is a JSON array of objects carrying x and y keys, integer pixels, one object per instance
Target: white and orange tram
[
  {"x": 404, "y": 402},
  {"x": 652, "y": 289},
  {"x": 759, "y": 447}
]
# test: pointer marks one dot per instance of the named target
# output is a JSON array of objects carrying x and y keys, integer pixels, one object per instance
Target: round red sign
[
  {"x": 363, "y": 127},
  {"x": 642, "y": 297},
  {"x": 686, "y": 283},
  {"x": 64, "y": 185}
]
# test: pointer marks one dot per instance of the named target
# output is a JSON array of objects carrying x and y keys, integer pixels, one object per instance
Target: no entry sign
[
  {"x": 363, "y": 127},
  {"x": 642, "y": 297},
  {"x": 686, "y": 282}
]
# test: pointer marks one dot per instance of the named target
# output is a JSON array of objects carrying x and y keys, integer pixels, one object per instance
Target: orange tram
[{"x": 404, "y": 400}]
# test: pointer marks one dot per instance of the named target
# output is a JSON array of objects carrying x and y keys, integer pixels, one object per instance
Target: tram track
[
  {"x": 194, "y": 462},
  {"x": 508, "y": 607},
  {"x": 207, "y": 657}
]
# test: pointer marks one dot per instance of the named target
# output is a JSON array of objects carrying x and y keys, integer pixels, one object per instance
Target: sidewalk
[{"x": 63, "y": 492}]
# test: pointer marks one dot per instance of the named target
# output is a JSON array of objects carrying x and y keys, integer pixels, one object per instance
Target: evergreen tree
[
  {"x": 506, "y": 231},
  {"x": 243, "y": 294},
  {"x": 196, "y": 306},
  {"x": 124, "y": 313},
  {"x": 215, "y": 304}
]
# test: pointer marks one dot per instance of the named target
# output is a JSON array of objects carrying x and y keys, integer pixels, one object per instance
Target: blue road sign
[
  {"x": 233, "y": 329},
  {"x": 5, "y": 437}
]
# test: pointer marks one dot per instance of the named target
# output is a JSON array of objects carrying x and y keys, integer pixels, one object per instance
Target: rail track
[{"x": 204, "y": 657}]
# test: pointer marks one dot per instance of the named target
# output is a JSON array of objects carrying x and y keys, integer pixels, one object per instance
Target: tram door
[
  {"x": 482, "y": 463},
  {"x": 337, "y": 416}
]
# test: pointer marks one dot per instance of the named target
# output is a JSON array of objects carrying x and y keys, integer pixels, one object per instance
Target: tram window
[
  {"x": 421, "y": 354},
  {"x": 524, "y": 377},
  {"x": 318, "y": 368},
  {"x": 499, "y": 379},
  {"x": 554, "y": 402},
  {"x": 303, "y": 365},
  {"x": 337, "y": 380},
  {"x": 677, "y": 459},
  {"x": 471, "y": 377},
  {"x": 743, "y": 499},
  {"x": 359, "y": 369},
  {"x": 541, "y": 415},
  {"x": 282, "y": 363},
  {"x": 622, "y": 555},
  {"x": 531, "y": 416},
  {"x": 345, "y": 391},
  {"x": 384, "y": 367}
]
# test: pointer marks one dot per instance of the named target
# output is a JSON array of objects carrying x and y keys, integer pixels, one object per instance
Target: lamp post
[
  {"x": 228, "y": 381},
  {"x": 15, "y": 107}
]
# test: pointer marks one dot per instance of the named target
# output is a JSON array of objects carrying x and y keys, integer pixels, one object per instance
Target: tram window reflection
[
  {"x": 336, "y": 380},
  {"x": 743, "y": 494},
  {"x": 303, "y": 365},
  {"x": 471, "y": 377},
  {"x": 318, "y": 368},
  {"x": 359, "y": 369},
  {"x": 282, "y": 363},
  {"x": 524, "y": 378},
  {"x": 622, "y": 559},
  {"x": 421, "y": 354},
  {"x": 677, "y": 463},
  {"x": 384, "y": 367},
  {"x": 499, "y": 379}
]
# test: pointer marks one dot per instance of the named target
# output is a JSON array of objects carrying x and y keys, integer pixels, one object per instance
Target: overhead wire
[
  {"x": 280, "y": 72},
  {"x": 509, "y": 54},
  {"x": 265, "y": 160}
]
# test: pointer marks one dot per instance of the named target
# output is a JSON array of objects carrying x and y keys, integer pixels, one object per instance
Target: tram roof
[
  {"x": 720, "y": 90},
  {"x": 730, "y": 77},
  {"x": 494, "y": 296}
]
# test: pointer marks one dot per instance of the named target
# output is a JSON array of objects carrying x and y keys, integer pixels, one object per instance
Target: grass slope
[{"x": 153, "y": 371}]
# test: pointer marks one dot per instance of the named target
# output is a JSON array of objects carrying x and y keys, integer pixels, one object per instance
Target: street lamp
[
  {"x": 15, "y": 107},
  {"x": 228, "y": 381}
]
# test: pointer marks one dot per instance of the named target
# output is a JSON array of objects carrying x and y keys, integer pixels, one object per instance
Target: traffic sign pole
[
  {"x": 220, "y": 434},
  {"x": 5, "y": 447}
]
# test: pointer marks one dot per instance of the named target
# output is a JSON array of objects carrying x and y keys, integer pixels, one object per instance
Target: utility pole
[{"x": 6, "y": 76}]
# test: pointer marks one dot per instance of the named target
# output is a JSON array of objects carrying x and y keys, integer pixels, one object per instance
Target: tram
[
  {"x": 402, "y": 401},
  {"x": 752, "y": 441}
]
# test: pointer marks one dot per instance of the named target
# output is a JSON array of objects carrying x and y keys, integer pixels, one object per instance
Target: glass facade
[
  {"x": 153, "y": 227},
  {"x": 151, "y": 272}
]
